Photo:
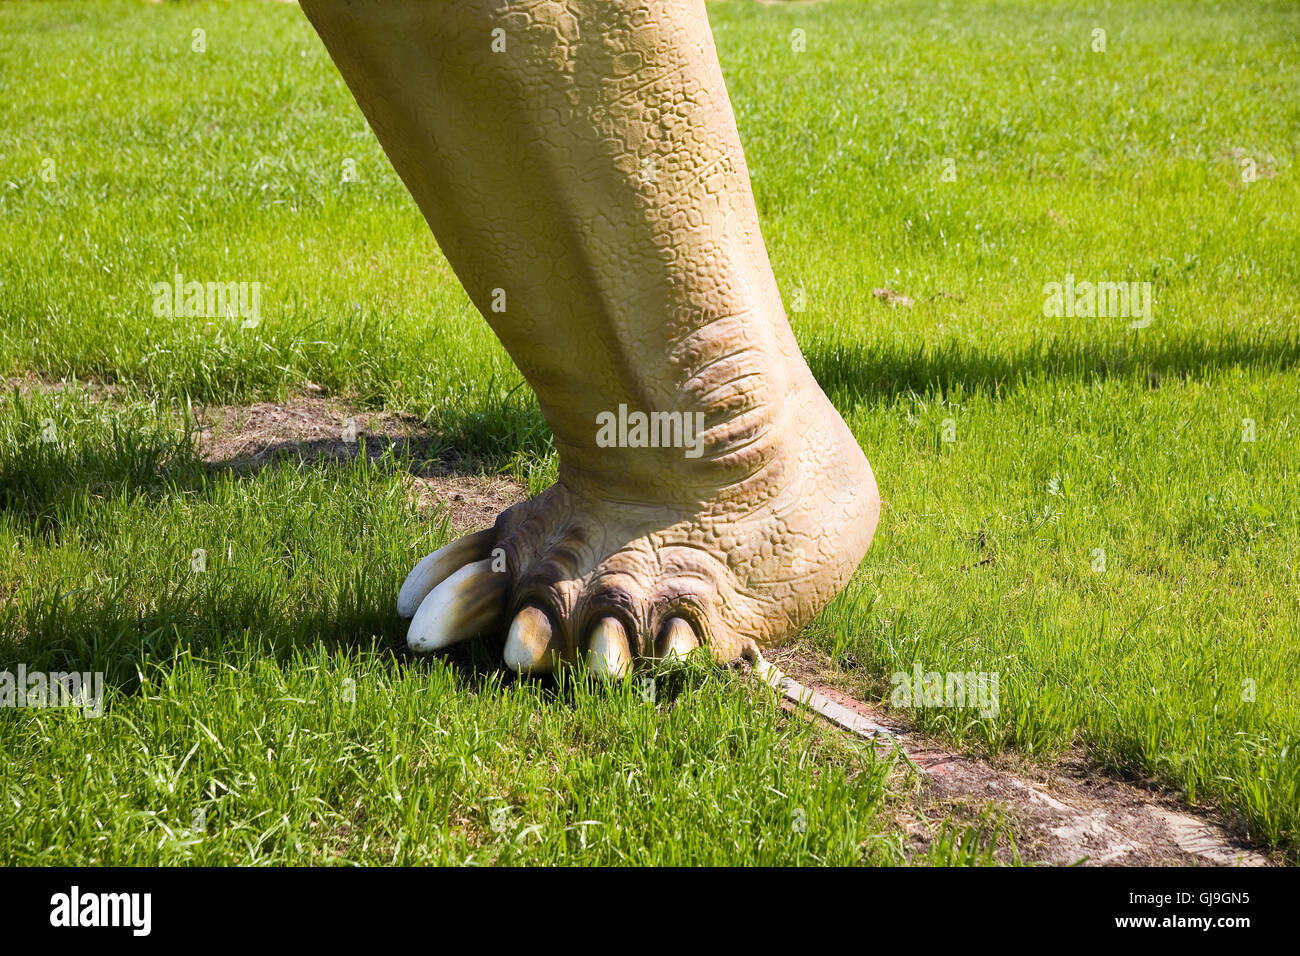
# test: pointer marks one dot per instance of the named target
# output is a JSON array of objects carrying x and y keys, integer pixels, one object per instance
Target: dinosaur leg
[{"x": 579, "y": 164}]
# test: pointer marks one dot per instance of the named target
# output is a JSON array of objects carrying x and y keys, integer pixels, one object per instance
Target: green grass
[
  {"x": 255, "y": 710},
  {"x": 1071, "y": 435}
]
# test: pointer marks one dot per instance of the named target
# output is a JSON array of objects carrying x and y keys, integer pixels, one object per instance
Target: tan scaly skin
[{"x": 580, "y": 167}]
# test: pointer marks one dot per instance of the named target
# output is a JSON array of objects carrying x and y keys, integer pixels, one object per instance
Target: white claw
[
  {"x": 532, "y": 647},
  {"x": 676, "y": 639},
  {"x": 769, "y": 674},
  {"x": 467, "y": 603},
  {"x": 608, "y": 653},
  {"x": 435, "y": 568}
]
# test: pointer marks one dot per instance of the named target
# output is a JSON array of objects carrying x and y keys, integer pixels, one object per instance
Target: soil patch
[
  {"x": 308, "y": 429},
  {"x": 1068, "y": 813}
]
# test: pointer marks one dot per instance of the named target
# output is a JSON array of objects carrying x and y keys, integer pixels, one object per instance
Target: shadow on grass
[
  {"x": 863, "y": 374},
  {"x": 50, "y": 485},
  {"x": 46, "y": 477},
  {"x": 54, "y": 483},
  {"x": 106, "y": 630},
  {"x": 226, "y": 617}
]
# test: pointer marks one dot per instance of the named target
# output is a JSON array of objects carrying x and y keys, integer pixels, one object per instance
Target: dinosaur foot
[{"x": 573, "y": 576}]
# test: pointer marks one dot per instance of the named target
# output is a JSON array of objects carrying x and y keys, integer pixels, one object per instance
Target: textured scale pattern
[{"x": 580, "y": 167}]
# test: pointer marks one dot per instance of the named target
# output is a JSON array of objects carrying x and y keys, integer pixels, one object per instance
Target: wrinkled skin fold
[{"x": 580, "y": 167}]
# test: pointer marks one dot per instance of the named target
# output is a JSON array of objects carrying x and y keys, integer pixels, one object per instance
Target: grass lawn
[{"x": 1101, "y": 510}]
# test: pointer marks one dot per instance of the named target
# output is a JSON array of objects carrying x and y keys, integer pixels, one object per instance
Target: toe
[
  {"x": 609, "y": 655},
  {"x": 676, "y": 639},
  {"x": 435, "y": 568},
  {"x": 533, "y": 647},
  {"x": 468, "y": 602}
]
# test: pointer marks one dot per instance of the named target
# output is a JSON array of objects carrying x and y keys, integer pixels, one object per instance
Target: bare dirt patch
[
  {"x": 29, "y": 384},
  {"x": 308, "y": 429},
  {"x": 249, "y": 437},
  {"x": 312, "y": 428},
  {"x": 1067, "y": 813}
]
